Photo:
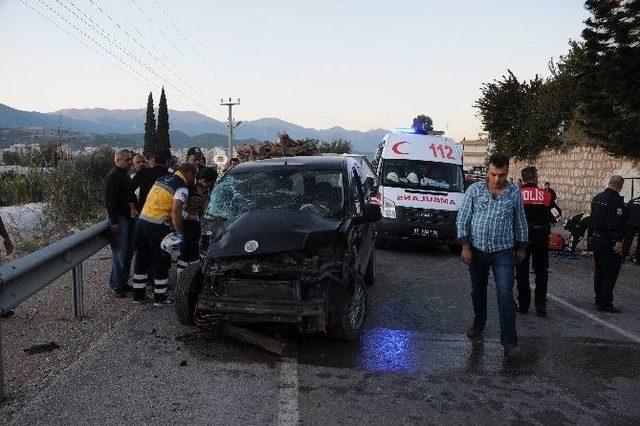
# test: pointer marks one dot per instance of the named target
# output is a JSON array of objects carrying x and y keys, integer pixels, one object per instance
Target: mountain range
[{"x": 102, "y": 121}]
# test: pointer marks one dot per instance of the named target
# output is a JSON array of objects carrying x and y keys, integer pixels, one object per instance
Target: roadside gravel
[{"x": 47, "y": 319}]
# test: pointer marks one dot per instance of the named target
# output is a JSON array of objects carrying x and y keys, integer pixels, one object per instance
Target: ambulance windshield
[{"x": 416, "y": 174}]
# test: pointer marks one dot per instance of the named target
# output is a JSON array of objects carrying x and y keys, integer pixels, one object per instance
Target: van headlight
[{"x": 388, "y": 209}]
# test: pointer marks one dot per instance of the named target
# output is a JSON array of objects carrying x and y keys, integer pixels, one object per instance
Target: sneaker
[
  {"x": 164, "y": 302},
  {"x": 118, "y": 294},
  {"x": 474, "y": 332},
  {"x": 141, "y": 300}
]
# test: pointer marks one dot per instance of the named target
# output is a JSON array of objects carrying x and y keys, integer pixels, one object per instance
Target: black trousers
[
  {"x": 151, "y": 260},
  {"x": 608, "y": 265},
  {"x": 538, "y": 256},
  {"x": 630, "y": 234}
]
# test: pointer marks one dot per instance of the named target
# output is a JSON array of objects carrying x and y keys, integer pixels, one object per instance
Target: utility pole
[{"x": 232, "y": 124}]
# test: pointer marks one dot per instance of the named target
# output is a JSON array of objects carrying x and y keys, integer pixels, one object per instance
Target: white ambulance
[{"x": 421, "y": 187}]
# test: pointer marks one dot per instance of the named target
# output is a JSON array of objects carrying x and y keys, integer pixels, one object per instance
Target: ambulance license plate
[{"x": 422, "y": 232}]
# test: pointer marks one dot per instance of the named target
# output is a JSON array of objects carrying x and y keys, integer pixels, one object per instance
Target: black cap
[{"x": 194, "y": 151}]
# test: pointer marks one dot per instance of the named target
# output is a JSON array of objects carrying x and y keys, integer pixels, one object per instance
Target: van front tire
[{"x": 188, "y": 287}]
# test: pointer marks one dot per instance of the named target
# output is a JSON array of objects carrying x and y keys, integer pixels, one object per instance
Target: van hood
[{"x": 267, "y": 231}]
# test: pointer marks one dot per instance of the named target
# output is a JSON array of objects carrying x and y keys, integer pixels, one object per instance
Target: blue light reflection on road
[{"x": 385, "y": 349}]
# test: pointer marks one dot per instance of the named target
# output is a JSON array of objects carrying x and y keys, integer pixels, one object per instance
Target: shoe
[
  {"x": 474, "y": 332},
  {"x": 610, "y": 309},
  {"x": 523, "y": 311},
  {"x": 164, "y": 302},
  {"x": 511, "y": 351},
  {"x": 541, "y": 311},
  {"x": 141, "y": 300},
  {"x": 6, "y": 314},
  {"x": 127, "y": 288},
  {"x": 118, "y": 294}
]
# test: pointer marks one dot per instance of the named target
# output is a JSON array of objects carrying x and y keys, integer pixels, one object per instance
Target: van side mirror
[{"x": 371, "y": 213}]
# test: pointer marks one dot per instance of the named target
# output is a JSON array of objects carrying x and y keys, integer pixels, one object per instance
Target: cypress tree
[
  {"x": 149, "y": 147},
  {"x": 163, "y": 146}
]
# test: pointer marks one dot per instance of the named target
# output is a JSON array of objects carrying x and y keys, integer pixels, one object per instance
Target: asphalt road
[{"x": 412, "y": 365}]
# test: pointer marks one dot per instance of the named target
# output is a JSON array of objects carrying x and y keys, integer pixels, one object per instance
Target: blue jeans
[
  {"x": 121, "y": 253},
  {"x": 503, "y": 265}
]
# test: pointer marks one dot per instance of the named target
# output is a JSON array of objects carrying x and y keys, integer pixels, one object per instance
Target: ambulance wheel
[{"x": 188, "y": 287}]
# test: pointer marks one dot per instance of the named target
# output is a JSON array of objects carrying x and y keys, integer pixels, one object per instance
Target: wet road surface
[{"x": 413, "y": 363}]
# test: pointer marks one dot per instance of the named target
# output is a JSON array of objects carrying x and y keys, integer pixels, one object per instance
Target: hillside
[{"x": 107, "y": 122}]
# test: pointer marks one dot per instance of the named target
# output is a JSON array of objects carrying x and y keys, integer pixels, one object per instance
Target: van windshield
[
  {"x": 417, "y": 174},
  {"x": 319, "y": 192}
]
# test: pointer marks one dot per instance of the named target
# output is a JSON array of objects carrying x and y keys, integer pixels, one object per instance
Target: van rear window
[{"x": 417, "y": 174}]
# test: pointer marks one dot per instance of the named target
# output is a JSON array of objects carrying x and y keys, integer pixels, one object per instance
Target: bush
[
  {"x": 20, "y": 189},
  {"x": 75, "y": 190}
]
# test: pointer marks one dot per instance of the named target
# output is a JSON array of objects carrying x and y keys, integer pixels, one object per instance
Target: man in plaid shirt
[{"x": 492, "y": 228}]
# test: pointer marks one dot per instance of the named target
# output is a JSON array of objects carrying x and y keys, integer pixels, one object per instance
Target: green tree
[
  {"x": 608, "y": 71},
  {"x": 336, "y": 146},
  {"x": 163, "y": 145},
  {"x": 149, "y": 147}
]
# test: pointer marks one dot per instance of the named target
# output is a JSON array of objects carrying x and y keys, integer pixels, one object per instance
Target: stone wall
[{"x": 579, "y": 173}]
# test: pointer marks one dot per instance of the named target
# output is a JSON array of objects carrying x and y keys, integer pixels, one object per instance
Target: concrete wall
[{"x": 579, "y": 173}]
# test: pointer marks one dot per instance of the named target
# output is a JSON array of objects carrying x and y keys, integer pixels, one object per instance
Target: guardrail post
[{"x": 78, "y": 297}]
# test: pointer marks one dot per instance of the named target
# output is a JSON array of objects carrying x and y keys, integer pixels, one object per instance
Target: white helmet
[
  {"x": 172, "y": 244},
  {"x": 392, "y": 176},
  {"x": 412, "y": 177}
]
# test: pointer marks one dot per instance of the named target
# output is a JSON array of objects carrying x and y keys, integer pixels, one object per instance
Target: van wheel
[
  {"x": 347, "y": 320},
  {"x": 370, "y": 274},
  {"x": 188, "y": 287}
]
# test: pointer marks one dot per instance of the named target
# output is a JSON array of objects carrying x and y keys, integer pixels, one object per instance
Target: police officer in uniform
[
  {"x": 633, "y": 228},
  {"x": 537, "y": 208},
  {"x": 607, "y": 233}
]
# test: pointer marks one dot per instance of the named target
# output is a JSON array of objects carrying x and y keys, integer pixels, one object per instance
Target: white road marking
[
  {"x": 591, "y": 316},
  {"x": 288, "y": 411}
]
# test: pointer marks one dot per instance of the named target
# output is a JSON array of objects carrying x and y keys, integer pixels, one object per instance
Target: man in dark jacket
[
  {"x": 538, "y": 203},
  {"x": 607, "y": 234},
  {"x": 632, "y": 228},
  {"x": 146, "y": 177},
  {"x": 121, "y": 210}
]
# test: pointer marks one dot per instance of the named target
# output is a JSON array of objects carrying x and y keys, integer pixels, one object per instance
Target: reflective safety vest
[{"x": 159, "y": 204}]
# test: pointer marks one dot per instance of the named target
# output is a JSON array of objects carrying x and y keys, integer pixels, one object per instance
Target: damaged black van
[{"x": 285, "y": 241}]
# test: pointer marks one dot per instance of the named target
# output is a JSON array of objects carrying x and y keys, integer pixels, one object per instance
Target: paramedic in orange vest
[{"x": 537, "y": 208}]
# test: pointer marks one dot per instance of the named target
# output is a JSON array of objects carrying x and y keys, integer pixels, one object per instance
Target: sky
[{"x": 353, "y": 63}]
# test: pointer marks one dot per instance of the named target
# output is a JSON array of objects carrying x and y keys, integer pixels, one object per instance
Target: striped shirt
[{"x": 492, "y": 224}]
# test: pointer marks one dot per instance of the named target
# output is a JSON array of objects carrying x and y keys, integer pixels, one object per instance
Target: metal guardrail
[{"x": 27, "y": 275}]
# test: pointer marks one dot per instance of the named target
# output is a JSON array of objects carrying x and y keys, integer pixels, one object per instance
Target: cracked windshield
[{"x": 319, "y": 192}]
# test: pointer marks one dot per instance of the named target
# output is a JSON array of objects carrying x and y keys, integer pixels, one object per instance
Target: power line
[
  {"x": 110, "y": 53},
  {"x": 204, "y": 75},
  {"x": 168, "y": 39},
  {"x": 152, "y": 55},
  {"x": 171, "y": 68}
]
